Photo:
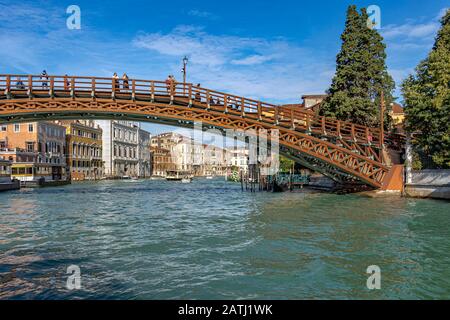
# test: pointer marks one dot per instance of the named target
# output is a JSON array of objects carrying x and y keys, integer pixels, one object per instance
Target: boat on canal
[
  {"x": 177, "y": 175},
  {"x": 6, "y": 181}
]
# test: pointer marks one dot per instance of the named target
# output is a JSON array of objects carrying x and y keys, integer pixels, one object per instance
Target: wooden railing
[{"x": 36, "y": 85}]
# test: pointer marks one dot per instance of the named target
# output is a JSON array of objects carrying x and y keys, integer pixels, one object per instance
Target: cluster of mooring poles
[{"x": 252, "y": 180}]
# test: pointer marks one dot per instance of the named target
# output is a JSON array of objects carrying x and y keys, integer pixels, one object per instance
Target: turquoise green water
[{"x": 208, "y": 240}]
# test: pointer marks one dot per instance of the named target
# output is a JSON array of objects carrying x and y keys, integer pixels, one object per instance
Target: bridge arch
[{"x": 338, "y": 149}]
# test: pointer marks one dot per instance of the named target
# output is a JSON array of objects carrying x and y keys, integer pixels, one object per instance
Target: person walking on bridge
[
  {"x": 126, "y": 85},
  {"x": 116, "y": 82},
  {"x": 44, "y": 78},
  {"x": 172, "y": 85},
  {"x": 19, "y": 84},
  {"x": 168, "y": 83},
  {"x": 66, "y": 83}
]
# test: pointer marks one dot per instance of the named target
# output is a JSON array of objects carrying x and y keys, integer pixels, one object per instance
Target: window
[
  {"x": 3, "y": 128},
  {"x": 2, "y": 144},
  {"x": 30, "y": 146},
  {"x": 17, "y": 128},
  {"x": 30, "y": 127}
]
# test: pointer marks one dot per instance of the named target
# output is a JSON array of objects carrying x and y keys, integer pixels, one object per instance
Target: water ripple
[{"x": 205, "y": 240}]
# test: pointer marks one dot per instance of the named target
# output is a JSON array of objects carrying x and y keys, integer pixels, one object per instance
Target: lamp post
[{"x": 185, "y": 62}]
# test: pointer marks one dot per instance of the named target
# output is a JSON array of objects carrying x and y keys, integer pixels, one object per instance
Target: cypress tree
[
  {"x": 361, "y": 74},
  {"x": 427, "y": 99}
]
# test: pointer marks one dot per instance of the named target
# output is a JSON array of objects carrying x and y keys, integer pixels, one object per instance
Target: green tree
[
  {"x": 427, "y": 99},
  {"x": 286, "y": 164},
  {"x": 361, "y": 74}
]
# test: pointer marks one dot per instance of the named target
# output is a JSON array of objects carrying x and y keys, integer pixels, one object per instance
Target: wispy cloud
[
  {"x": 414, "y": 34},
  {"x": 202, "y": 14},
  {"x": 408, "y": 43},
  {"x": 274, "y": 69},
  {"x": 443, "y": 12},
  {"x": 202, "y": 47},
  {"x": 31, "y": 17},
  {"x": 252, "y": 60},
  {"x": 411, "y": 30}
]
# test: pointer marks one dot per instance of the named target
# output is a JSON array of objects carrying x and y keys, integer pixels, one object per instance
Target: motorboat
[
  {"x": 186, "y": 180},
  {"x": 176, "y": 175}
]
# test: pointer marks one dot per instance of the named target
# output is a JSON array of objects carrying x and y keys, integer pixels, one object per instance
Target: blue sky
[{"x": 270, "y": 50}]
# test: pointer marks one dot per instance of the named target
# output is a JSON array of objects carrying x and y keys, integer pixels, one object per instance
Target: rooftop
[{"x": 396, "y": 108}]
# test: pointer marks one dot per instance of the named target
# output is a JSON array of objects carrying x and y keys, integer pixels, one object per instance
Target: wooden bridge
[{"x": 341, "y": 150}]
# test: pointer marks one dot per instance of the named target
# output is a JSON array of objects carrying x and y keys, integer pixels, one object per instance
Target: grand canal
[{"x": 206, "y": 240}]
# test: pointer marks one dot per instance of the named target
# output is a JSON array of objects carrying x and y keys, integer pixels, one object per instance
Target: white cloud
[
  {"x": 410, "y": 30},
  {"x": 252, "y": 60},
  {"x": 442, "y": 13},
  {"x": 400, "y": 74},
  {"x": 201, "y": 47},
  {"x": 202, "y": 14},
  {"x": 273, "y": 69},
  {"x": 413, "y": 33}
]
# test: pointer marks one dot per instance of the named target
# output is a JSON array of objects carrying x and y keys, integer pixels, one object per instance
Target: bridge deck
[
  {"x": 350, "y": 147},
  {"x": 146, "y": 90}
]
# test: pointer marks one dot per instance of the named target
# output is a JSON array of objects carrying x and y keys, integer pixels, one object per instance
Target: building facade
[
  {"x": 162, "y": 161},
  {"x": 84, "y": 149},
  {"x": 163, "y": 149},
  {"x": 312, "y": 100},
  {"x": 397, "y": 113},
  {"x": 238, "y": 158},
  {"x": 172, "y": 151},
  {"x": 188, "y": 156},
  {"x": 144, "y": 154},
  {"x": 214, "y": 161},
  {"x": 120, "y": 148},
  {"x": 36, "y": 150}
]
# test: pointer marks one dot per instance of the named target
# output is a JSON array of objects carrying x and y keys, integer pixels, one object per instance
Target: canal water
[{"x": 208, "y": 240}]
